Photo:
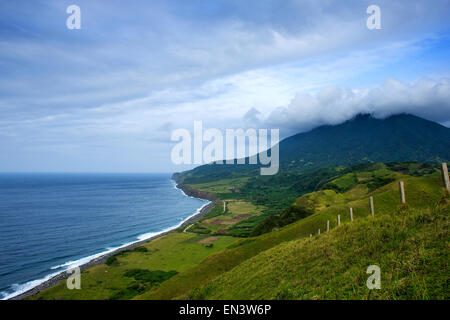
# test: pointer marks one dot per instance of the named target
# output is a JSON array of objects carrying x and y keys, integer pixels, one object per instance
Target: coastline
[{"x": 62, "y": 275}]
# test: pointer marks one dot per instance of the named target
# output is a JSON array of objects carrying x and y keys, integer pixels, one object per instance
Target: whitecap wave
[
  {"x": 24, "y": 287},
  {"x": 184, "y": 193}
]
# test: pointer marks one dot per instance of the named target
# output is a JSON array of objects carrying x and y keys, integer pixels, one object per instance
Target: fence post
[
  {"x": 401, "y": 186},
  {"x": 445, "y": 176},
  {"x": 339, "y": 219},
  {"x": 351, "y": 214},
  {"x": 310, "y": 235},
  {"x": 318, "y": 232},
  {"x": 328, "y": 225},
  {"x": 372, "y": 209},
  {"x": 224, "y": 206}
]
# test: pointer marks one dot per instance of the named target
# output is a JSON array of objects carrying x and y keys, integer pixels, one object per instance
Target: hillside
[
  {"x": 410, "y": 246},
  {"x": 408, "y": 242},
  {"x": 423, "y": 191},
  {"x": 308, "y": 161},
  {"x": 275, "y": 194}
]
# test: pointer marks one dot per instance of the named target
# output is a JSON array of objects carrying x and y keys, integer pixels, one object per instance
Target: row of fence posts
[{"x": 401, "y": 186}]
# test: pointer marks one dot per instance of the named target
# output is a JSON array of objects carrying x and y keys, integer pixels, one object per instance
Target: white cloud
[
  {"x": 136, "y": 72},
  {"x": 426, "y": 98}
]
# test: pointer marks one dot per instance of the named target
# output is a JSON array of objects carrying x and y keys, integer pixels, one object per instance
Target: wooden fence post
[
  {"x": 445, "y": 176},
  {"x": 310, "y": 235},
  {"x": 401, "y": 186},
  {"x": 372, "y": 209},
  {"x": 224, "y": 206},
  {"x": 328, "y": 225},
  {"x": 351, "y": 214},
  {"x": 339, "y": 219},
  {"x": 318, "y": 232}
]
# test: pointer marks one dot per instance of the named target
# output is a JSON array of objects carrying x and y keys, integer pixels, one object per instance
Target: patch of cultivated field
[{"x": 220, "y": 223}]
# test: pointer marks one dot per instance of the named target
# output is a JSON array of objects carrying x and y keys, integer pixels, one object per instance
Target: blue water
[{"x": 49, "y": 222}]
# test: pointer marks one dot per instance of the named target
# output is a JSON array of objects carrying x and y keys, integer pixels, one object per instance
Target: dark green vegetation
[
  {"x": 400, "y": 228},
  {"x": 111, "y": 260},
  {"x": 144, "y": 281},
  {"x": 310, "y": 161},
  {"x": 409, "y": 243},
  {"x": 233, "y": 221},
  {"x": 322, "y": 174},
  {"x": 398, "y": 138},
  {"x": 289, "y": 215},
  {"x": 280, "y": 210},
  {"x": 152, "y": 277}
]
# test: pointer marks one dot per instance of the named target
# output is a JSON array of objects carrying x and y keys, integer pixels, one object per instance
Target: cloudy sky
[{"x": 107, "y": 97}]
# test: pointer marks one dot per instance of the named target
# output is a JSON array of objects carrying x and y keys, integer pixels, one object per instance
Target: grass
[
  {"x": 292, "y": 265},
  {"x": 219, "y": 222},
  {"x": 409, "y": 245},
  {"x": 344, "y": 183},
  {"x": 421, "y": 192},
  {"x": 175, "y": 252},
  {"x": 222, "y": 186}
]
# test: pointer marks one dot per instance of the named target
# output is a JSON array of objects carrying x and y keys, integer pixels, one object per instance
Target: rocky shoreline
[
  {"x": 193, "y": 192},
  {"x": 102, "y": 259}
]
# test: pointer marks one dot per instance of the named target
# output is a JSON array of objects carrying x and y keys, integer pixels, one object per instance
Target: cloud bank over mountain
[{"x": 427, "y": 98}]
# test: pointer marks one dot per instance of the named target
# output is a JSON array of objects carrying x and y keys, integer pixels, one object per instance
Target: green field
[
  {"x": 408, "y": 241},
  {"x": 176, "y": 251},
  {"x": 422, "y": 193}
]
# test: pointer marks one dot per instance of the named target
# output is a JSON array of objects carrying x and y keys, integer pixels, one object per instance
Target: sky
[{"x": 107, "y": 97}]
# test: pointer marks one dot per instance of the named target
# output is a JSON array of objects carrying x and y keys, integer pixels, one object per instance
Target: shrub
[
  {"x": 288, "y": 216},
  {"x": 111, "y": 260},
  {"x": 152, "y": 277}
]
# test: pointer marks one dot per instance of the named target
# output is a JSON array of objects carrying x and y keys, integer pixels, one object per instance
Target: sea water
[{"x": 52, "y": 222}]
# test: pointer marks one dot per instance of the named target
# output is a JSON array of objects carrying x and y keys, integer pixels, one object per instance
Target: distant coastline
[{"x": 103, "y": 257}]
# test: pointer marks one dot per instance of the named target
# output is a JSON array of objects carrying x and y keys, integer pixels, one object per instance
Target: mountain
[
  {"x": 363, "y": 139},
  {"x": 366, "y": 139}
]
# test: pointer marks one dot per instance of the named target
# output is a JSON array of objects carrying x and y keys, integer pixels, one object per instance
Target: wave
[
  {"x": 22, "y": 288},
  {"x": 184, "y": 194}
]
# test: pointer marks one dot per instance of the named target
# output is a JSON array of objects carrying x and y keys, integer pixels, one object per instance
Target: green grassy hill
[
  {"x": 312, "y": 159},
  {"x": 209, "y": 279},
  {"x": 409, "y": 245},
  {"x": 274, "y": 194}
]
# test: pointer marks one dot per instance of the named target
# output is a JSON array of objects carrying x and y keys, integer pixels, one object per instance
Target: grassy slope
[
  {"x": 198, "y": 265},
  {"x": 410, "y": 246},
  {"x": 420, "y": 193},
  {"x": 175, "y": 251}
]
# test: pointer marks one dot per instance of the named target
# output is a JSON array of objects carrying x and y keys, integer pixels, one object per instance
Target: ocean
[{"x": 52, "y": 222}]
